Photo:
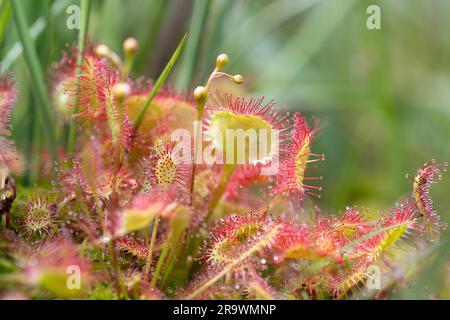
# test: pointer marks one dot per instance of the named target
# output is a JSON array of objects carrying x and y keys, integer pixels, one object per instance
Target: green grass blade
[
  {"x": 36, "y": 73},
  {"x": 196, "y": 29},
  {"x": 5, "y": 12},
  {"x": 35, "y": 30},
  {"x": 159, "y": 82},
  {"x": 84, "y": 26},
  {"x": 304, "y": 44},
  {"x": 154, "y": 15},
  {"x": 274, "y": 14}
]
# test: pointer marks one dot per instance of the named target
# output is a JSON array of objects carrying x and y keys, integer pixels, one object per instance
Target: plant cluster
[{"x": 135, "y": 222}]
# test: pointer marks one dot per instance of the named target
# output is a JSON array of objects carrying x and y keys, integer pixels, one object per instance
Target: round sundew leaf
[
  {"x": 240, "y": 137},
  {"x": 165, "y": 171},
  {"x": 135, "y": 219}
]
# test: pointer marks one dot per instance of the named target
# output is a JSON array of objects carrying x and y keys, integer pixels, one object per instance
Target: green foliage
[{"x": 383, "y": 92}]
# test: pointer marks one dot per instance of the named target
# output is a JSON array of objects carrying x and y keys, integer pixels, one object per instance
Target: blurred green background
[{"x": 384, "y": 94}]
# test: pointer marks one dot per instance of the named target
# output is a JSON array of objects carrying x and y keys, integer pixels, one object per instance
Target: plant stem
[
  {"x": 200, "y": 108},
  {"x": 120, "y": 287},
  {"x": 161, "y": 259},
  {"x": 84, "y": 26},
  {"x": 127, "y": 65},
  {"x": 197, "y": 143},
  {"x": 148, "y": 263},
  {"x": 35, "y": 30},
  {"x": 5, "y": 13},
  {"x": 36, "y": 73},
  {"x": 224, "y": 178},
  {"x": 172, "y": 263}
]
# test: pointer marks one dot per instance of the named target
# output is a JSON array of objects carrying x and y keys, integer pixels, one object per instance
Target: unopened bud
[
  {"x": 130, "y": 46},
  {"x": 200, "y": 94},
  {"x": 221, "y": 61},
  {"x": 121, "y": 90},
  {"x": 238, "y": 79},
  {"x": 102, "y": 50}
]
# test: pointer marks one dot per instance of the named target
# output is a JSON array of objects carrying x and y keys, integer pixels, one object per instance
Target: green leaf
[
  {"x": 36, "y": 73},
  {"x": 35, "y": 30},
  {"x": 159, "y": 82},
  {"x": 196, "y": 30},
  {"x": 5, "y": 13}
]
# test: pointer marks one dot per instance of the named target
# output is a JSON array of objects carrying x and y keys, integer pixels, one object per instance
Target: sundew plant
[{"x": 140, "y": 188}]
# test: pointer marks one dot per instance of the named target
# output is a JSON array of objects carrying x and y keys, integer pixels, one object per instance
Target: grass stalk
[
  {"x": 35, "y": 30},
  {"x": 159, "y": 82},
  {"x": 151, "y": 248},
  {"x": 34, "y": 67},
  {"x": 161, "y": 259},
  {"x": 196, "y": 29},
  {"x": 120, "y": 287},
  {"x": 5, "y": 13}
]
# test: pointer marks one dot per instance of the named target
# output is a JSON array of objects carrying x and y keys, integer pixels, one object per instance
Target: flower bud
[
  {"x": 238, "y": 79},
  {"x": 130, "y": 46},
  {"x": 221, "y": 61},
  {"x": 121, "y": 90},
  {"x": 200, "y": 94},
  {"x": 102, "y": 50}
]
